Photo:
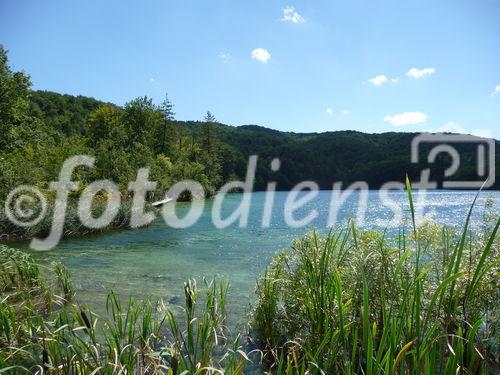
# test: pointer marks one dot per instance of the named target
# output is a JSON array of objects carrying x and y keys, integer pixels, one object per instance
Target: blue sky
[{"x": 290, "y": 65}]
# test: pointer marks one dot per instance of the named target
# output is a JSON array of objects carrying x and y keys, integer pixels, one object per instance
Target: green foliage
[
  {"x": 72, "y": 224},
  {"x": 43, "y": 332},
  {"x": 65, "y": 113},
  {"x": 358, "y": 302},
  {"x": 341, "y": 156},
  {"x": 14, "y": 91}
]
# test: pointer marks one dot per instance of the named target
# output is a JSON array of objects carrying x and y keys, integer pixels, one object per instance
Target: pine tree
[
  {"x": 168, "y": 132},
  {"x": 167, "y": 108},
  {"x": 208, "y": 136},
  {"x": 210, "y": 149}
]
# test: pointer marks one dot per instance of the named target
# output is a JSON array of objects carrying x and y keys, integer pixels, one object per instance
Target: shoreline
[
  {"x": 10, "y": 234},
  {"x": 73, "y": 227}
]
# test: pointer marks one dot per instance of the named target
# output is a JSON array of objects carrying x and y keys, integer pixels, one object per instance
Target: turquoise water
[{"x": 155, "y": 261}]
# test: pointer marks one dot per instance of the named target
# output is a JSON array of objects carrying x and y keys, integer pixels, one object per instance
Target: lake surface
[{"x": 155, "y": 261}]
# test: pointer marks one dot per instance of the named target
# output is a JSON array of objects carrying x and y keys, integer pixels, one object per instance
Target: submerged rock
[{"x": 175, "y": 300}]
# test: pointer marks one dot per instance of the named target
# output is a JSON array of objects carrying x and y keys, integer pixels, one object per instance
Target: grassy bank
[
  {"x": 73, "y": 226},
  {"x": 353, "y": 302}
]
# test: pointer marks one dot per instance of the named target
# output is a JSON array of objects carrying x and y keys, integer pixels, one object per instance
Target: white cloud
[
  {"x": 291, "y": 15},
  {"x": 497, "y": 90},
  {"x": 261, "y": 54},
  {"x": 453, "y": 127},
  {"x": 151, "y": 79},
  {"x": 225, "y": 57},
  {"x": 419, "y": 73},
  {"x": 394, "y": 80},
  {"x": 406, "y": 118},
  {"x": 378, "y": 80},
  {"x": 343, "y": 112}
]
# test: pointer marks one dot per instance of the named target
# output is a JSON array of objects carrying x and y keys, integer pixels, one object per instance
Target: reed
[
  {"x": 137, "y": 337},
  {"x": 355, "y": 302},
  {"x": 72, "y": 224},
  {"x": 424, "y": 301}
]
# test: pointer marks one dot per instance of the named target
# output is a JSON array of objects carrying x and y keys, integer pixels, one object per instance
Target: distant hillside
[
  {"x": 66, "y": 113},
  {"x": 329, "y": 157}
]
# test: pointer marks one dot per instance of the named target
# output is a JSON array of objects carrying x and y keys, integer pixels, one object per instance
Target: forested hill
[
  {"x": 340, "y": 156},
  {"x": 66, "y": 113}
]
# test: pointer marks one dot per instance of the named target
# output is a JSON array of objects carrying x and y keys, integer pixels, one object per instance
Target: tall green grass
[
  {"x": 42, "y": 331},
  {"x": 361, "y": 303},
  {"x": 73, "y": 227}
]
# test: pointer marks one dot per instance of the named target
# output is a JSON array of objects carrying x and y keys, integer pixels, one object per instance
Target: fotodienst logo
[{"x": 444, "y": 143}]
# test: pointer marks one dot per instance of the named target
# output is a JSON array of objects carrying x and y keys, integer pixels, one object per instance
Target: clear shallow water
[{"x": 155, "y": 261}]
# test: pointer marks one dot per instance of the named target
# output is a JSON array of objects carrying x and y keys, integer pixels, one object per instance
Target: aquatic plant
[
  {"x": 360, "y": 302},
  {"x": 73, "y": 226},
  {"x": 44, "y": 335}
]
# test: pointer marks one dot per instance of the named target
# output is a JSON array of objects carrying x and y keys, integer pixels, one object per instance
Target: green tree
[
  {"x": 14, "y": 99},
  {"x": 142, "y": 118},
  {"x": 207, "y": 131},
  {"x": 210, "y": 155},
  {"x": 168, "y": 132},
  {"x": 105, "y": 123}
]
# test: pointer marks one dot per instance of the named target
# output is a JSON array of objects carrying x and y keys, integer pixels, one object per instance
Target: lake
[{"x": 156, "y": 260}]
